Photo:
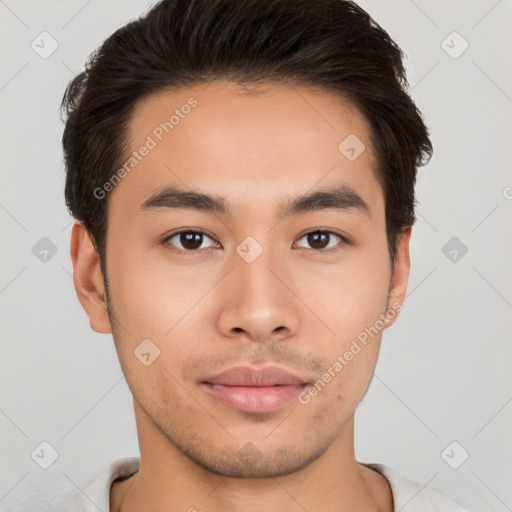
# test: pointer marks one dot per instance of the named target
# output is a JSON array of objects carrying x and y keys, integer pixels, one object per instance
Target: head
[{"x": 247, "y": 108}]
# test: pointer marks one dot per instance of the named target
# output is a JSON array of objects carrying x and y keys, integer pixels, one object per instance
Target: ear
[
  {"x": 88, "y": 279},
  {"x": 400, "y": 276}
]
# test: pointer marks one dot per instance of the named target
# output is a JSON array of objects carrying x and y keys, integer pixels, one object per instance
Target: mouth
[{"x": 251, "y": 390}]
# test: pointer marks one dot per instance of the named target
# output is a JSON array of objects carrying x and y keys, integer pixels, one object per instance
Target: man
[{"x": 242, "y": 175}]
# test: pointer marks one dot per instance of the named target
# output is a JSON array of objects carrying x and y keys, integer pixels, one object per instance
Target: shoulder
[
  {"x": 95, "y": 494},
  {"x": 417, "y": 497}
]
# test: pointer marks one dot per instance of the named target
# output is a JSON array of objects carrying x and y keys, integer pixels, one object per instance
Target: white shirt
[{"x": 95, "y": 495}]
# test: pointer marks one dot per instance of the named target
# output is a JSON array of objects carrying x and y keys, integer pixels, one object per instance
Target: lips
[
  {"x": 245, "y": 376},
  {"x": 257, "y": 391}
]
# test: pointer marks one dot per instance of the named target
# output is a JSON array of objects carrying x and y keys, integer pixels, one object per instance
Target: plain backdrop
[{"x": 443, "y": 385}]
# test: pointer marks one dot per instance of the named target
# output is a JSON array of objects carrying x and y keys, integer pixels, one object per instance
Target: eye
[
  {"x": 321, "y": 240},
  {"x": 192, "y": 240},
  {"x": 188, "y": 241}
]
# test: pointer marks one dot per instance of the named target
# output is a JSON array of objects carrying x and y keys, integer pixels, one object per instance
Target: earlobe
[
  {"x": 88, "y": 279},
  {"x": 400, "y": 277}
]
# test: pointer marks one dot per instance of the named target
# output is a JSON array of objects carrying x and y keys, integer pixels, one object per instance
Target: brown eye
[
  {"x": 188, "y": 240},
  {"x": 319, "y": 240}
]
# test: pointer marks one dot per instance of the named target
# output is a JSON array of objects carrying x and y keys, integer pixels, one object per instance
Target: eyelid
[{"x": 344, "y": 237}]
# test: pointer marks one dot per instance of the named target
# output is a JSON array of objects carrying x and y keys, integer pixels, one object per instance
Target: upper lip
[{"x": 246, "y": 376}]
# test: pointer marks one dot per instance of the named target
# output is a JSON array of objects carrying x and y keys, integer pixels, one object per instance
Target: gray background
[{"x": 444, "y": 372}]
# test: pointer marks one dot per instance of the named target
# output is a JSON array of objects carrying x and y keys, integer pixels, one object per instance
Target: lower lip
[{"x": 253, "y": 398}]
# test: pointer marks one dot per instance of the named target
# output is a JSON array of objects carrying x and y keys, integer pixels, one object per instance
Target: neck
[{"x": 168, "y": 480}]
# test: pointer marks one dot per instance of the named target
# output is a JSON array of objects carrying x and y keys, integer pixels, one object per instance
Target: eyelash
[{"x": 165, "y": 241}]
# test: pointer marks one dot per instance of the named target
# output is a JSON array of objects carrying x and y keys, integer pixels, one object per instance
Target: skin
[{"x": 209, "y": 310}]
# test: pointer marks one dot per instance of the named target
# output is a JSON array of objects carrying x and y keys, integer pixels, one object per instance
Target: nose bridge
[
  {"x": 259, "y": 303},
  {"x": 255, "y": 274},
  {"x": 256, "y": 271}
]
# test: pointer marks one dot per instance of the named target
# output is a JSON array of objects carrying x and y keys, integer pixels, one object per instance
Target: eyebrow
[{"x": 341, "y": 197}]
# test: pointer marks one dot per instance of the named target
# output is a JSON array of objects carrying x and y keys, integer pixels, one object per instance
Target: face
[{"x": 256, "y": 275}]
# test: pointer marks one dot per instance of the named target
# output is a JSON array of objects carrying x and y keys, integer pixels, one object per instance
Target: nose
[{"x": 258, "y": 302}]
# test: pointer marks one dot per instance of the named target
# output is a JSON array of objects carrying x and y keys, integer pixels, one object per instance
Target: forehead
[{"x": 252, "y": 145}]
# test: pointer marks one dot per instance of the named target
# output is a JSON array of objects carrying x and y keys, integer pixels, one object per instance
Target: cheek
[
  {"x": 346, "y": 377},
  {"x": 350, "y": 300},
  {"x": 151, "y": 296},
  {"x": 159, "y": 313},
  {"x": 351, "y": 295}
]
